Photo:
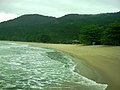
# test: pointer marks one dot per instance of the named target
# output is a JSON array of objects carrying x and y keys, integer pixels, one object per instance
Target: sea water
[{"x": 25, "y": 67}]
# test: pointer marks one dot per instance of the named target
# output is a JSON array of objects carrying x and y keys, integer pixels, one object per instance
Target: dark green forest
[{"x": 98, "y": 29}]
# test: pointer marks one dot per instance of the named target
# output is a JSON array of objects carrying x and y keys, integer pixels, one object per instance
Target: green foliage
[
  {"x": 45, "y": 38},
  {"x": 90, "y": 34},
  {"x": 94, "y": 34},
  {"x": 66, "y": 29},
  {"x": 111, "y": 36}
]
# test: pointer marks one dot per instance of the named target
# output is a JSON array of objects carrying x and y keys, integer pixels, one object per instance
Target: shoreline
[
  {"x": 102, "y": 62},
  {"x": 83, "y": 68},
  {"x": 88, "y": 72}
]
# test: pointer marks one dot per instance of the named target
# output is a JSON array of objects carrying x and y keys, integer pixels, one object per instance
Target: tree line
[{"x": 100, "y": 35}]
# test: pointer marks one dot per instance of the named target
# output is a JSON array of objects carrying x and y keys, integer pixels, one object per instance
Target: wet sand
[{"x": 101, "y": 63}]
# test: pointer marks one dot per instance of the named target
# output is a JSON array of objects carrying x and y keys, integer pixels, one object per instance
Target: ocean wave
[{"x": 27, "y": 67}]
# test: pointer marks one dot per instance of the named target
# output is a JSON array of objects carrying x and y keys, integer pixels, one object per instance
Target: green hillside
[{"x": 66, "y": 29}]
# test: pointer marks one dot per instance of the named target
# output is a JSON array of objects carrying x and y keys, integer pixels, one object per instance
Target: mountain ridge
[
  {"x": 65, "y": 29},
  {"x": 61, "y": 16}
]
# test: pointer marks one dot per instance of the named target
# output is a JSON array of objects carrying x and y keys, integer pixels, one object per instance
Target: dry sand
[{"x": 101, "y": 63}]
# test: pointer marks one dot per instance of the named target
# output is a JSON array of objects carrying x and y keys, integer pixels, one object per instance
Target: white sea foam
[{"x": 28, "y": 67}]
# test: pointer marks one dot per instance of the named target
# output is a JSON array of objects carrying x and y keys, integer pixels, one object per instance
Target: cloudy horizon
[{"x": 56, "y": 8}]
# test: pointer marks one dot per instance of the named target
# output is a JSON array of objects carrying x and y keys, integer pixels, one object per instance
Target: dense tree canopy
[
  {"x": 71, "y": 28},
  {"x": 111, "y": 36},
  {"x": 91, "y": 34}
]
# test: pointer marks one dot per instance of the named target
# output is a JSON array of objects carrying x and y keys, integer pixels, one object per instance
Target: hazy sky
[{"x": 13, "y": 8}]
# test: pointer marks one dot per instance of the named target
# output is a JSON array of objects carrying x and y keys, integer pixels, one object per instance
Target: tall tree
[
  {"x": 45, "y": 38},
  {"x": 90, "y": 34},
  {"x": 111, "y": 36}
]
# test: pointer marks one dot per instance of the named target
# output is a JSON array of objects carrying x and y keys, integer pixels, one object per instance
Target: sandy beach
[{"x": 101, "y": 63}]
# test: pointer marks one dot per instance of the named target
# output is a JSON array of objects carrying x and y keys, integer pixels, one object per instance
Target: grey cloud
[{"x": 58, "y": 7}]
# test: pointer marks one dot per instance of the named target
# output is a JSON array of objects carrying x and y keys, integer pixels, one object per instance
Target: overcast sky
[{"x": 10, "y": 9}]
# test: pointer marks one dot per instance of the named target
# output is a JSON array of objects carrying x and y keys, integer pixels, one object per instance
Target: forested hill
[{"x": 66, "y": 29}]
